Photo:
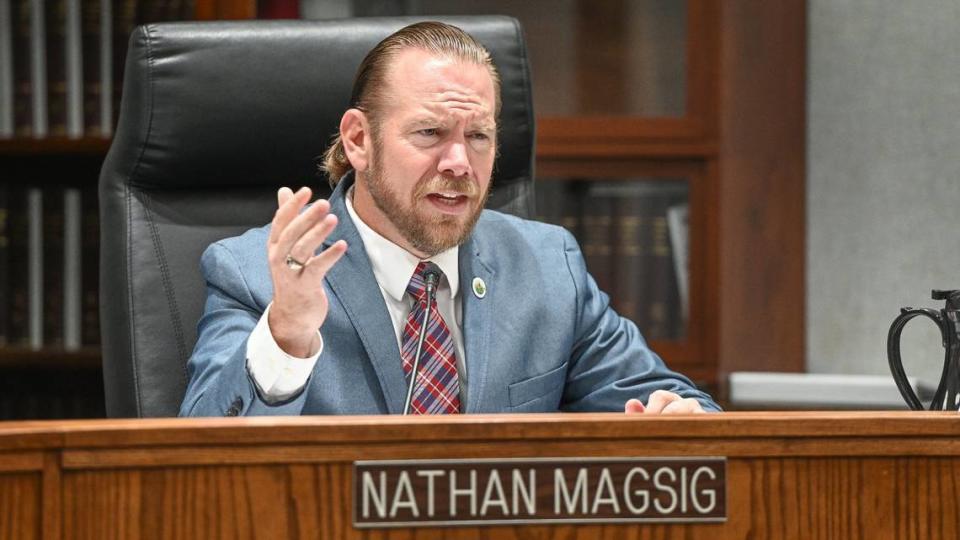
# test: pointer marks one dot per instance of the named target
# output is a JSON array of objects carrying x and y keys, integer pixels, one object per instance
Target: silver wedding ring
[{"x": 294, "y": 264}]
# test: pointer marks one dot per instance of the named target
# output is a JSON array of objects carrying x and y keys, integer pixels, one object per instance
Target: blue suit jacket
[{"x": 543, "y": 338}]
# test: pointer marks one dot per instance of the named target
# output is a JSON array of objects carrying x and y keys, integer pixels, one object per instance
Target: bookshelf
[
  {"x": 722, "y": 123},
  {"x": 47, "y": 370}
]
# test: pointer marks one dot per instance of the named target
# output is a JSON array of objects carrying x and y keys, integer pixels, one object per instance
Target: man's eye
[
  {"x": 428, "y": 132},
  {"x": 479, "y": 136}
]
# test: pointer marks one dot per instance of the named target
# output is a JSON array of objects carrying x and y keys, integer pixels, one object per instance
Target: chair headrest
[{"x": 253, "y": 103}]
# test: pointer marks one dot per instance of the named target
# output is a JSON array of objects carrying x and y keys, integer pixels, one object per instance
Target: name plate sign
[{"x": 418, "y": 493}]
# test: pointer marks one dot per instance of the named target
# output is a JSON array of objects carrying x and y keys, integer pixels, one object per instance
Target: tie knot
[{"x": 417, "y": 288}]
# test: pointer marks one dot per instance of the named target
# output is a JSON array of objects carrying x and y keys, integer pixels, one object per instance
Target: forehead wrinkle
[
  {"x": 447, "y": 109},
  {"x": 448, "y": 105},
  {"x": 456, "y": 96}
]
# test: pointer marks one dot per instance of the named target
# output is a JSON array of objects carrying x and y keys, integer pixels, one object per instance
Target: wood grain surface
[
  {"x": 761, "y": 200},
  {"x": 19, "y": 505},
  {"x": 789, "y": 475},
  {"x": 804, "y": 498}
]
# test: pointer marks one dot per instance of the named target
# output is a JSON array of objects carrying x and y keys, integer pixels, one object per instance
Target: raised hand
[{"x": 299, "y": 300}]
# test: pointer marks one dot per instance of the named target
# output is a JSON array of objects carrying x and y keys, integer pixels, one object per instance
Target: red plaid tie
[{"x": 437, "y": 390}]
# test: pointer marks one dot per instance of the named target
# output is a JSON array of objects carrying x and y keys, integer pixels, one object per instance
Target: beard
[{"x": 428, "y": 231}]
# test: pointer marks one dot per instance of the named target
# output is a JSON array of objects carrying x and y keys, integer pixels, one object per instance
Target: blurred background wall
[{"x": 883, "y": 182}]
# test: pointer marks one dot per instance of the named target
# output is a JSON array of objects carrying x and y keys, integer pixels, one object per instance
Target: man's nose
[{"x": 454, "y": 161}]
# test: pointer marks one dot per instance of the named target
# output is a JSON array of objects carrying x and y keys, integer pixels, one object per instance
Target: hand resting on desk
[{"x": 663, "y": 402}]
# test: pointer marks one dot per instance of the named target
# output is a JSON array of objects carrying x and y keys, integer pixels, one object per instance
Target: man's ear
[{"x": 356, "y": 138}]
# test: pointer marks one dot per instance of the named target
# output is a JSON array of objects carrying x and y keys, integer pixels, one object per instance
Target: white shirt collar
[{"x": 393, "y": 266}]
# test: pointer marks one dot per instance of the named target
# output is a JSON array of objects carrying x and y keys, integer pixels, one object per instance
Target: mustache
[{"x": 460, "y": 186}]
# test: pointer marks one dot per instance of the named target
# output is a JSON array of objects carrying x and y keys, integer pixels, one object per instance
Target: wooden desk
[{"x": 789, "y": 475}]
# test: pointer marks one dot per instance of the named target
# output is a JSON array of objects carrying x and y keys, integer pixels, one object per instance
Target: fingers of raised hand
[
  {"x": 300, "y": 225},
  {"x": 322, "y": 263},
  {"x": 288, "y": 208},
  {"x": 311, "y": 239},
  {"x": 283, "y": 195}
]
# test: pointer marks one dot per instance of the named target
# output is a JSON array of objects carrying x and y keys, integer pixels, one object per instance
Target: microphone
[{"x": 431, "y": 275}]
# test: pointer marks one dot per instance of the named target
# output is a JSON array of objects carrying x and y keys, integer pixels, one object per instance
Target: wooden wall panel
[
  {"x": 225, "y": 9},
  {"x": 20, "y": 506},
  {"x": 762, "y": 194}
]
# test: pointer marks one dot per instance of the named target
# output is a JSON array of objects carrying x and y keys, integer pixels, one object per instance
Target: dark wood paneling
[
  {"x": 762, "y": 189},
  {"x": 225, "y": 9},
  {"x": 54, "y": 146},
  {"x": 87, "y": 358},
  {"x": 596, "y": 89}
]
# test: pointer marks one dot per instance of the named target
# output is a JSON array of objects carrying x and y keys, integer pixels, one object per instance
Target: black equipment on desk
[{"x": 947, "y": 396}]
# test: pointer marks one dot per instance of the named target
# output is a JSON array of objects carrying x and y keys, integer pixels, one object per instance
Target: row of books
[
  {"x": 634, "y": 238},
  {"x": 61, "y": 62},
  {"x": 49, "y": 260}
]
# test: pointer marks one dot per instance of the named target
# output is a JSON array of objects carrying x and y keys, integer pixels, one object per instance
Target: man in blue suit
[{"x": 320, "y": 312}]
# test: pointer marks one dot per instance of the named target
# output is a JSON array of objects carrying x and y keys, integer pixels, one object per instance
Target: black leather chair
[{"x": 215, "y": 117}]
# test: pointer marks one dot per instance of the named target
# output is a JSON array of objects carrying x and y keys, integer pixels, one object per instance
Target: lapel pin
[{"x": 479, "y": 288}]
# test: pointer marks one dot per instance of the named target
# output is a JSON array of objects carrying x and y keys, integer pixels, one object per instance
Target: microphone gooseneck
[{"x": 431, "y": 275}]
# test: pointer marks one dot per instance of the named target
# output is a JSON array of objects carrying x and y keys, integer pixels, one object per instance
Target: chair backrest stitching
[
  {"x": 128, "y": 201},
  {"x": 168, "y": 288}
]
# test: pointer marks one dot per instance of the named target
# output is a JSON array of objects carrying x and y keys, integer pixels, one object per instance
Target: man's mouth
[{"x": 449, "y": 202}]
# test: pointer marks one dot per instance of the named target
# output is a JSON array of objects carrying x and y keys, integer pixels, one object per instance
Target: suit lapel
[
  {"x": 477, "y": 318},
  {"x": 353, "y": 283}
]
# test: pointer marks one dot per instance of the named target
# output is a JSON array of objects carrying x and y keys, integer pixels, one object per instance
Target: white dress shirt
[{"x": 280, "y": 376}]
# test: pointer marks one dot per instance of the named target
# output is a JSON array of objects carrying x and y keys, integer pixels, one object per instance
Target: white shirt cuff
[{"x": 278, "y": 375}]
